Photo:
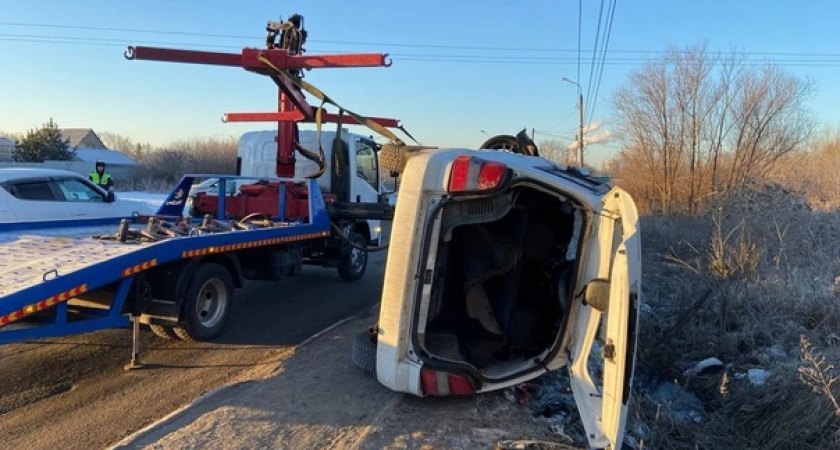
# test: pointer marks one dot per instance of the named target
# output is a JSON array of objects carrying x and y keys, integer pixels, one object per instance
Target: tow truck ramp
[{"x": 54, "y": 278}]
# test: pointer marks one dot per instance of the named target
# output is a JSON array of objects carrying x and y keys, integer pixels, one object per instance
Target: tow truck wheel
[
  {"x": 163, "y": 331},
  {"x": 208, "y": 304},
  {"x": 353, "y": 263}
]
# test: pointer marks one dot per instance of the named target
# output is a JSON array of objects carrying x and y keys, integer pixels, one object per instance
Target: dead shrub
[
  {"x": 160, "y": 169},
  {"x": 782, "y": 414}
]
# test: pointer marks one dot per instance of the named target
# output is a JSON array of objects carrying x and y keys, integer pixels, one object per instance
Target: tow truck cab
[{"x": 504, "y": 266}]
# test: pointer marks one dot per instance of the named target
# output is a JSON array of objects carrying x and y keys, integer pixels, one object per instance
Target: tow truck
[{"x": 178, "y": 273}]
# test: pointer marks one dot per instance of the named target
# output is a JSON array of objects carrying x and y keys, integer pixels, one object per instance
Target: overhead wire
[
  {"x": 594, "y": 52},
  {"x": 832, "y": 61},
  {"x": 400, "y": 44},
  {"x": 799, "y": 59},
  {"x": 608, "y": 33},
  {"x": 580, "y": 33}
]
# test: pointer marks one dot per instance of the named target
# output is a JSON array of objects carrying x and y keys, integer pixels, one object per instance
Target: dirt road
[{"x": 73, "y": 392}]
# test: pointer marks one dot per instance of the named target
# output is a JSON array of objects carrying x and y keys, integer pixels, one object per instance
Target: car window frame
[
  {"x": 56, "y": 180},
  {"x": 9, "y": 186}
]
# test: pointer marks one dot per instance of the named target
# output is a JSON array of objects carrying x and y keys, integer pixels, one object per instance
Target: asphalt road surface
[{"x": 74, "y": 393}]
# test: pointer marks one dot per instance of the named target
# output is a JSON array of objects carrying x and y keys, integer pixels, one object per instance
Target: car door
[
  {"x": 609, "y": 313},
  {"x": 35, "y": 199},
  {"x": 84, "y": 200},
  {"x": 6, "y": 214}
]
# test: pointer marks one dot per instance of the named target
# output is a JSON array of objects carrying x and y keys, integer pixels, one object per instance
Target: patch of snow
[
  {"x": 152, "y": 199},
  {"x": 777, "y": 353},
  {"x": 758, "y": 377}
]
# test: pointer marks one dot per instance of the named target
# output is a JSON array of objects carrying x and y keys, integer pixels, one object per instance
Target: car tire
[
  {"x": 207, "y": 306},
  {"x": 364, "y": 352},
  {"x": 163, "y": 331},
  {"x": 354, "y": 262}
]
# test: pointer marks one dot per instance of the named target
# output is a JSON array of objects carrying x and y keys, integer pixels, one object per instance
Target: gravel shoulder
[{"x": 318, "y": 399}]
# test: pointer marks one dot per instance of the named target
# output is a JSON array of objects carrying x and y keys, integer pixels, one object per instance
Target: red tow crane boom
[{"x": 292, "y": 106}]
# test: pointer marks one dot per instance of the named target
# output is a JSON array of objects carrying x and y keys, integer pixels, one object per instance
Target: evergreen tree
[{"x": 42, "y": 144}]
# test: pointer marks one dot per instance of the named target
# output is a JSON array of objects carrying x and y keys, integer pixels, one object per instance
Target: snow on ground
[{"x": 150, "y": 198}]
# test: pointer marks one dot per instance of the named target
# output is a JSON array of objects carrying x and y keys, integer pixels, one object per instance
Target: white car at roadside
[
  {"x": 504, "y": 266},
  {"x": 35, "y": 194}
]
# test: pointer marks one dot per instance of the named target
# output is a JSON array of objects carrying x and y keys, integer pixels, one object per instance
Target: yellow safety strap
[{"x": 317, "y": 93}]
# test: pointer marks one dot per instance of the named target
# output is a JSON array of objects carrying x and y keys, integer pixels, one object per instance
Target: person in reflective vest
[{"x": 101, "y": 178}]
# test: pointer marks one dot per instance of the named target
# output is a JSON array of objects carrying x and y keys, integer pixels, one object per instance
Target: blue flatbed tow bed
[{"x": 54, "y": 278}]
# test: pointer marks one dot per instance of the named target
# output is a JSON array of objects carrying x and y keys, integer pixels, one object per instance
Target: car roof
[{"x": 14, "y": 173}]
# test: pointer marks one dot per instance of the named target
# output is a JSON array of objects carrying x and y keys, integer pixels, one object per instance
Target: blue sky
[{"x": 458, "y": 67}]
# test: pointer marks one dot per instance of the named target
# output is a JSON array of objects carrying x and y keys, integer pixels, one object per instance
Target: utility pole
[
  {"x": 580, "y": 126},
  {"x": 580, "y": 121}
]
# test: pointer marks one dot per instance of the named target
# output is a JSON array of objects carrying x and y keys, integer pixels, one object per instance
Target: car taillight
[
  {"x": 445, "y": 383},
  {"x": 471, "y": 174}
]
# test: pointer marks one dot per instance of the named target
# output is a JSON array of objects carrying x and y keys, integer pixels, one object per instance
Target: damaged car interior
[{"x": 503, "y": 269}]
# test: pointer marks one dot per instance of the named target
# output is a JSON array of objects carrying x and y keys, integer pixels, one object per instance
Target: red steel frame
[{"x": 292, "y": 106}]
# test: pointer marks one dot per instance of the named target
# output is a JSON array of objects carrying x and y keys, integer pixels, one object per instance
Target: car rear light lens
[
  {"x": 471, "y": 174},
  {"x": 444, "y": 383}
]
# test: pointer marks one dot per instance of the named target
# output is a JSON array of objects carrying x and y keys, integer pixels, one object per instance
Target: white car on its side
[
  {"x": 34, "y": 195},
  {"x": 504, "y": 266}
]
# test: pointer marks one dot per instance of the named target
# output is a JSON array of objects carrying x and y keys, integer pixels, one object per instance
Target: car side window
[
  {"x": 32, "y": 190},
  {"x": 77, "y": 191},
  {"x": 366, "y": 166}
]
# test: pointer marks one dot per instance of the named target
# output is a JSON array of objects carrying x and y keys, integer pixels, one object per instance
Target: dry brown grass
[{"x": 756, "y": 272}]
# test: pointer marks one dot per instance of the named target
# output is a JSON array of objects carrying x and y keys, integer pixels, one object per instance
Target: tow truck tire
[
  {"x": 354, "y": 263},
  {"x": 163, "y": 331},
  {"x": 364, "y": 352},
  {"x": 207, "y": 306}
]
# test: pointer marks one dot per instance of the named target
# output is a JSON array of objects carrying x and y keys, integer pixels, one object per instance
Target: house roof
[
  {"x": 114, "y": 157},
  {"x": 6, "y": 142},
  {"x": 76, "y": 135}
]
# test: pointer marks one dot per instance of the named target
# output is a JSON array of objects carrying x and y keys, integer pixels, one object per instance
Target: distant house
[
  {"x": 6, "y": 147},
  {"x": 82, "y": 138},
  {"x": 89, "y": 149},
  {"x": 111, "y": 158}
]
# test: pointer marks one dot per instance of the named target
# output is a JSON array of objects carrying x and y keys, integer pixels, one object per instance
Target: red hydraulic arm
[{"x": 292, "y": 106}]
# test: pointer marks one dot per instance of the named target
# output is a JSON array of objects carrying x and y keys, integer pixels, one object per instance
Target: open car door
[{"x": 601, "y": 380}]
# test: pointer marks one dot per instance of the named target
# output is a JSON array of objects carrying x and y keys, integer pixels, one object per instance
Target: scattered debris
[
  {"x": 758, "y": 377},
  {"x": 705, "y": 367}
]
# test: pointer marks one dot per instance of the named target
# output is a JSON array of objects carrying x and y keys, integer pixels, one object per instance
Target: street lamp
[{"x": 580, "y": 120}]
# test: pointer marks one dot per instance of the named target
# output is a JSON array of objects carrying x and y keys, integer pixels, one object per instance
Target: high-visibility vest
[{"x": 106, "y": 177}]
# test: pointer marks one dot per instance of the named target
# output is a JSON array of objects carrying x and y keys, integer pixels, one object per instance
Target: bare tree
[
  {"x": 695, "y": 123},
  {"x": 124, "y": 144},
  {"x": 553, "y": 150}
]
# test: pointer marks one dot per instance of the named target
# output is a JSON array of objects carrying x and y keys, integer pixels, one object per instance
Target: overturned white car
[{"x": 503, "y": 266}]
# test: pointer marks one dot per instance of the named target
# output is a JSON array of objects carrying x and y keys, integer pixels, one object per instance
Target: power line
[
  {"x": 594, "y": 50},
  {"x": 580, "y": 33},
  {"x": 418, "y": 57},
  {"x": 402, "y": 44},
  {"x": 603, "y": 60}
]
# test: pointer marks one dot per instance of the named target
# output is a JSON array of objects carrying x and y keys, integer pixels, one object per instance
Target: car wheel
[
  {"x": 207, "y": 306},
  {"x": 364, "y": 352},
  {"x": 163, "y": 331},
  {"x": 354, "y": 262}
]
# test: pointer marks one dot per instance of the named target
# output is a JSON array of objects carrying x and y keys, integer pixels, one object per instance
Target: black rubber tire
[
  {"x": 208, "y": 281},
  {"x": 500, "y": 142},
  {"x": 354, "y": 263},
  {"x": 364, "y": 352},
  {"x": 163, "y": 331}
]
